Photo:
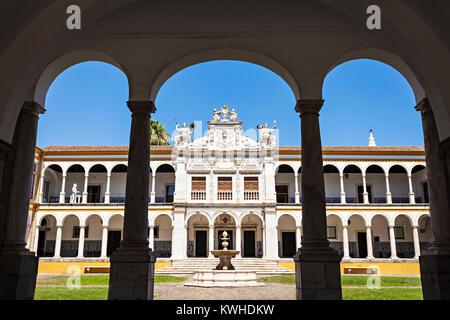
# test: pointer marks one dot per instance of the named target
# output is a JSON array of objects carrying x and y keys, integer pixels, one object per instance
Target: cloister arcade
[{"x": 300, "y": 41}]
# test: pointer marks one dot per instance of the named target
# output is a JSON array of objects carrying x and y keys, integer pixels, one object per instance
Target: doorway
[
  {"x": 249, "y": 244},
  {"x": 200, "y": 244},
  {"x": 288, "y": 241},
  {"x": 93, "y": 194},
  {"x": 362, "y": 245},
  {"x": 41, "y": 244},
  {"x": 114, "y": 238}
]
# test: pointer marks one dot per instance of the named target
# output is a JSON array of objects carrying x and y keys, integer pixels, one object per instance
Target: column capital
[
  {"x": 423, "y": 106},
  {"x": 147, "y": 107},
  {"x": 309, "y": 106},
  {"x": 238, "y": 226},
  {"x": 33, "y": 108}
]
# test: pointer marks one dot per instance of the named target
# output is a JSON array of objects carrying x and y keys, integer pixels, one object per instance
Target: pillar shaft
[
  {"x": 298, "y": 236},
  {"x": 415, "y": 230},
  {"x": 369, "y": 242},
  {"x": 58, "y": 242},
  {"x": 104, "y": 252},
  {"x": 345, "y": 242},
  {"x": 211, "y": 241},
  {"x": 85, "y": 191},
  {"x": 153, "y": 194},
  {"x": 435, "y": 262},
  {"x": 392, "y": 242},
  {"x": 151, "y": 240},
  {"x": 412, "y": 199},
  {"x": 108, "y": 188},
  {"x": 41, "y": 186},
  {"x": 316, "y": 263},
  {"x": 388, "y": 191},
  {"x": 341, "y": 179},
  {"x": 81, "y": 242},
  {"x": 62, "y": 194},
  {"x": 238, "y": 241},
  {"x": 297, "y": 194},
  {"x": 132, "y": 265},
  {"x": 365, "y": 193}
]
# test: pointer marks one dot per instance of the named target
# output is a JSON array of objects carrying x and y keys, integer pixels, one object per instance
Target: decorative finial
[{"x": 371, "y": 139}]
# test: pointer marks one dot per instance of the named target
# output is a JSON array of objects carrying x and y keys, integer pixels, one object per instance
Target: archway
[
  {"x": 332, "y": 186},
  {"x": 357, "y": 237},
  {"x": 287, "y": 236},
  {"x": 285, "y": 184},
  {"x": 226, "y": 222},
  {"x": 46, "y": 237},
  {"x": 93, "y": 236},
  {"x": 70, "y": 236},
  {"x": 381, "y": 238},
  {"x": 404, "y": 241},
  {"x": 118, "y": 183},
  {"x": 162, "y": 236},
  {"x": 198, "y": 237},
  {"x": 334, "y": 232},
  {"x": 354, "y": 186},
  {"x": 165, "y": 184},
  {"x": 252, "y": 236},
  {"x": 398, "y": 179},
  {"x": 115, "y": 233}
]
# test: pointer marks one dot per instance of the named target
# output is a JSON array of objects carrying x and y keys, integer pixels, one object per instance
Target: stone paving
[{"x": 177, "y": 291}]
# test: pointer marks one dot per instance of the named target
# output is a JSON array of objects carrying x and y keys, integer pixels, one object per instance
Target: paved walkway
[{"x": 177, "y": 291}]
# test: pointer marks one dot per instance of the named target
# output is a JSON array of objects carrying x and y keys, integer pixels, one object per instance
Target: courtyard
[{"x": 280, "y": 287}]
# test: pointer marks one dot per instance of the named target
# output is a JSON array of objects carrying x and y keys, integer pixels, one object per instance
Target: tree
[{"x": 158, "y": 134}]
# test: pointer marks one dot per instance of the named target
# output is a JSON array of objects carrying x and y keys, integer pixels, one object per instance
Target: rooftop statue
[
  {"x": 183, "y": 137},
  {"x": 266, "y": 135}
]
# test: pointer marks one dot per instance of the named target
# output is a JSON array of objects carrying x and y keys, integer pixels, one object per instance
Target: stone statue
[
  {"x": 266, "y": 137},
  {"x": 74, "y": 197},
  {"x": 233, "y": 115},
  {"x": 183, "y": 135},
  {"x": 225, "y": 112},
  {"x": 216, "y": 116}
]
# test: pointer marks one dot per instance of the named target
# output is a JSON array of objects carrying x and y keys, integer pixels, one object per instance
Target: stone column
[
  {"x": 179, "y": 239},
  {"x": 392, "y": 242},
  {"x": 104, "y": 253},
  {"x": 412, "y": 198},
  {"x": 415, "y": 230},
  {"x": 62, "y": 194},
  {"x": 297, "y": 194},
  {"x": 85, "y": 192},
  {"x": 153, "y": 194},
  {"x": 133, "y": 263},
  {"x": 365, "y": 193},
  {"x": 108, "y": 187},
  {"x": 317, "y": 265},
  {"x": 341, "y": 178},
  {"x": 238, "y": 241},
  {"x": 81, "y": 242},
  {"x": 264, "y": 240},
  {"x": 58, "y": 242},
  {"x": 388, "y": 191},
  {"x": 271, "y": 234},
  {"x": 41, "y": 186},
  {"x": 36, "y": 240},
  {"x": 151, "y": 241},
  {"x": 211, "y": 241},
  {"x": 435, "y": 262},
  {"x": 298, "y": 236},
  {"x": 18, "y": 266},
  {"x": 369, "y": 242},
  {"x": 345, "y": 242}
]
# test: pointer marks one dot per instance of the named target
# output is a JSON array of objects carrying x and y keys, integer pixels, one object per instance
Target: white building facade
[{"x": 377, "y": 198}]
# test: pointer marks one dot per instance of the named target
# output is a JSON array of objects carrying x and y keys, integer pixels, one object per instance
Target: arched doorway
[
  {"x": 225, "y": 222},
  {"x": 252, "y": 236},
  {"x": 287, "y": 237},
  {"x": 162, "y": 236},
  {"x": 198, "y": 236}
]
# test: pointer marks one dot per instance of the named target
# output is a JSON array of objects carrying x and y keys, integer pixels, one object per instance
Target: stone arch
[
  {"x": 219, "y": 213},
  {"x": 284, "y": 165},
  {"x": 108, "y": 220},
  {"x": 91, "y": 215},
  {"x": 386, "y": 57},
  {"x": 242, "y": 216},
  {"x": 384, "y": 216},
  {"x": 39, "y": 223},
  {"x": 296, "y": 219},
  {"x": 374, "y": 165},
  {"x": 193, "y": 213},
  {"x": 223, "y": 54},
  {"x": 165, "y": 165},
  {"x": 341, "y": 219},
  {"x": 363, "y": 217},
  {"x": 64, "y": 218},
  {"x": 119, "y": 166},
  {"x": 64, "y": 62},
  {"x": 153, "y": 218},
  {"x": 97, "y": 166},
  {"x": 407, "y": 216}
]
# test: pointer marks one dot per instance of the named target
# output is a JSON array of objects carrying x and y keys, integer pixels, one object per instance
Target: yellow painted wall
[
  {"x": 54, "y": 267},
  {"x": 399, "y": 268}
]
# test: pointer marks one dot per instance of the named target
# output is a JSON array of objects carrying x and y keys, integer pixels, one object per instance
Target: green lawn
[
  {"x": 352, "y": 281},
  {"x": 363, "y": 293},
  {"x": 45, "y": 289}
]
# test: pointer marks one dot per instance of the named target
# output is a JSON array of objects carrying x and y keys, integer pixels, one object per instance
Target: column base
[
  {"x": 18, "y": 273},
  {"x": 435, "y": 273},
  {"x": 317, "y": 269},
  {"x": 132, "y": 274}
]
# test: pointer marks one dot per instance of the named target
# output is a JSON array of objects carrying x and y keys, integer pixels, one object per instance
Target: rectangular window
[
  {"x": 399, "y": 233},
  {"x": 331, "y": 232},
  {"x": 198, "y": 188},
  {"x": 224, "y": 188},
  {"x": 170, "y": 190},
  {"x": 251, "y": 188},
  {"x": 46, "y": 192}
]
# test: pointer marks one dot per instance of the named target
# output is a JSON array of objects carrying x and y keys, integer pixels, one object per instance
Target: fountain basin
[{"x": 224, "y": 278}]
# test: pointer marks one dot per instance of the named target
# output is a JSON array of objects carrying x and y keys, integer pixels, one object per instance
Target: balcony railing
[
  {"x": 251, "y": 195},
  {"x": 225, "y": 195},
  {"x": 285, "y": 198},
  {"x": 198, "y": 195},
  {"x": 400, "y": 198}
]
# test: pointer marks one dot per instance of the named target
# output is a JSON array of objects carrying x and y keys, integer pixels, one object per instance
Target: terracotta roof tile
[{"x": 282, "y": 148}]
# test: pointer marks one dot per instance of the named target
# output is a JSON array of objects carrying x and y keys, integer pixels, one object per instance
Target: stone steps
[{"x": 189, "y": 266}]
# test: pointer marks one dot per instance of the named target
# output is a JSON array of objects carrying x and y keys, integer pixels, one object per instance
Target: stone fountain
[{"x": 224, "y": 275}]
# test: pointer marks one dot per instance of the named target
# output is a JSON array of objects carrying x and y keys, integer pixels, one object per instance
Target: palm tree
[{"x": 158, "y": 134}]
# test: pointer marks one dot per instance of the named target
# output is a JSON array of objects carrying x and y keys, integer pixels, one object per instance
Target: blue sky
[{"x": 86, "y": 104}]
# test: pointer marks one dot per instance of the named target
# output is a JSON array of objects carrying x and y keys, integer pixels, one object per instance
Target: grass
[
  {"x": 355, "y": 281},
  {"x": 382, "y": 294}
]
